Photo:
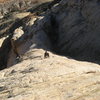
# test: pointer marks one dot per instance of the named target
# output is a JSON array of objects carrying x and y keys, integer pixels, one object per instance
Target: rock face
[
  {"x": 54, "y": 78},
  {"x": 11, "y": 20},
  {"x": 7, "y": 6},
  {"x": 77, "y": 28},
  {"x": 70, "y": 28},
  {"x": 34, "y": 37}
]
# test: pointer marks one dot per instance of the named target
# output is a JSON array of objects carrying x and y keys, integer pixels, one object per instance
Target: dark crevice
[
  {"x": 4, "y": 51},
  {"x": 6, "y": 46},
  {"x": 51, "y": 29}
]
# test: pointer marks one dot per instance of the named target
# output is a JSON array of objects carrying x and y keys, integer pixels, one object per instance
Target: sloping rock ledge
[{"x": 33, "y": 77}]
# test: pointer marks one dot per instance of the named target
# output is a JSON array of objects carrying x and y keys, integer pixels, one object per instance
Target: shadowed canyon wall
[
  {"x": 73, "y": 28},
  {"x": 76, "y": 29}
]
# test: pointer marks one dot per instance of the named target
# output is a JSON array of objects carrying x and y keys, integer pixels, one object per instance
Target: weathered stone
[
  {"x": 53, "y": 78},
  {"x": 1, "y": 16},
  {"x": 21, "y": 15},
  {"x": 70, "y": 28},
  {"x": 76, "y": 29},
  {"x": 19, "y": 5}
]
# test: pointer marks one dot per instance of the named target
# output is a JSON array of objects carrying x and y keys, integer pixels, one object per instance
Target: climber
[{"x": 46, "y": 54}]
